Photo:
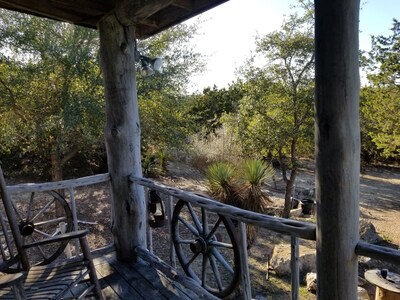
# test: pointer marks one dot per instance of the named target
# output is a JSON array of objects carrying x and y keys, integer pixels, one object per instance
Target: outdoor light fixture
[{"x": 150, "y": 65}]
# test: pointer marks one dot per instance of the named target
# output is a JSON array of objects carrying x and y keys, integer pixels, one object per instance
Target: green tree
[
  {"x": 276, "y": 115},
  {"x": 380, "y": 105},
  {"x": 162, "y": 96},
  {"x": 207, "y": 108},
  {"x": 52, "y": 99}
]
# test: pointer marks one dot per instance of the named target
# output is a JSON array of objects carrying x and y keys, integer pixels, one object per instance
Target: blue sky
[{"x": 228, "y": 32}]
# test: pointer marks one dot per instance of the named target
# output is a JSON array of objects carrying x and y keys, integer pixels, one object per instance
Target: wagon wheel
[
  {"x": 38, "y": 219},
  {"x": 207, "y": 248}
]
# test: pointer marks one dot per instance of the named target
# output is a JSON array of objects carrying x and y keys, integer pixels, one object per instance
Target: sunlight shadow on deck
[{"x": 136, "y": 281}]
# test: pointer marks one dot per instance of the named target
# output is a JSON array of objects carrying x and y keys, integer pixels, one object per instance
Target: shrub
[
  {"x": 220, "y": 183},
  {"x": 244, "y": 191}
]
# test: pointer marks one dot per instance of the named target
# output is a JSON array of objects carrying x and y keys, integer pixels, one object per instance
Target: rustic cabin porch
[
  {"x": 139, "y": 280},
  {"x": 181, "y": 273},
  {"x": 337, "y": 159}
]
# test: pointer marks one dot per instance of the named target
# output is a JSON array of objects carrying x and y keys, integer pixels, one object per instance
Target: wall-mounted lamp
[{"x": 150, "y": 65}]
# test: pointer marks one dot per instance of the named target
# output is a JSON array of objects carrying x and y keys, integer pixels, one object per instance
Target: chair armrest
[
  {"x": 58, "y": 238},
  {"x": 7, "y": 280}
]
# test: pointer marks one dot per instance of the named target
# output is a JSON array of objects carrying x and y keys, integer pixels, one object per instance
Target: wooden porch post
[
  {"x": 337, "y": 147},
  {"x": 122, "y": 133}
]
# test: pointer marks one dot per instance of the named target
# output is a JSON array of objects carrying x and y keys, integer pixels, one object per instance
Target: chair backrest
[{"x": 15, "y": 237}]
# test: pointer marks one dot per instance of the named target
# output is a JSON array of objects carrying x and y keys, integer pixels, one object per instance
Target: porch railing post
[
  {"x": 244, "y": 262},
  {"x": 170, "y": 204},
  {"x": 294, "y": 266},
  {"x": 149, "y": 231},
  {"x": 74, "y": 217}
]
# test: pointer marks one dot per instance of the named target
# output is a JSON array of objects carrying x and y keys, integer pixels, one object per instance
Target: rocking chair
[{"x": 19, "y": 279}]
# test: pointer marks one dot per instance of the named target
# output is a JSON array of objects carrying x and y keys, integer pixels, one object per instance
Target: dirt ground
[
  {"x": 379, "y": 203},
  {"x": 379, "y": 193}
]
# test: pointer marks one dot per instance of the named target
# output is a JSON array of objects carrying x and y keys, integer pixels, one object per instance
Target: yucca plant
[
  {"x": 148, "y": 164},
  {"x": 220, "y": 183},
  {"x": 254, "y": 173},
  {"x": 162, "y": 156}
]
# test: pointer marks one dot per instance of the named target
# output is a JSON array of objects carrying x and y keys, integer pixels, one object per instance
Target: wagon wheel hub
[
  {"x": 26, "y": 228},
  {"x": 199, "y": 245}
]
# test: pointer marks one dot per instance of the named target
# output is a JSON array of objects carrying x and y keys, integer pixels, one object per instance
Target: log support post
[
  {"x": 337, "y": 147},
  {"x": 122, "y": 133}
]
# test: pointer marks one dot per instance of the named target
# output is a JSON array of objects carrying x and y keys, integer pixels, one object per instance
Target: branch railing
[
  {"x": 66, "y": 185},
  {"x": 292, "y": 228}
]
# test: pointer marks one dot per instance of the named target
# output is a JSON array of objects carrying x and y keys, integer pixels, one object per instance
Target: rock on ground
[{"x": 280, "y": 260}]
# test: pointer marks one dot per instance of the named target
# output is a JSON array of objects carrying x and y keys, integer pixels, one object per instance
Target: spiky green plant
[
  {"x": 254, "y": 173},
  {"x": 220, "y": 182},
  {"x": 162, "y": 156}
]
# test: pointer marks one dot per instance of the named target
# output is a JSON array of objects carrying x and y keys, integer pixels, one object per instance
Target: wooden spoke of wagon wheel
[
  {"x": 38, "y": 219},
  {"x": 207, "y": 248}
]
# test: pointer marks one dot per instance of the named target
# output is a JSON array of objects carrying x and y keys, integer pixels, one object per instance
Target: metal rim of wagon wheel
[
  {"x": 209, "y": 254},
  {"x": 38, "y": 220}
]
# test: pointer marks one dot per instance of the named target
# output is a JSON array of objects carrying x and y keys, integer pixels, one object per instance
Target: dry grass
[{"x": 380, "y": 199}]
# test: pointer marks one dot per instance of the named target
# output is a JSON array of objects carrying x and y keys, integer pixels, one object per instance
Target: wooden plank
[
  {"x": 172, "y": 254},
  {"x": 294, "y": 266},
  {"x": 187, "y": 282},
  {"x": 13, "y": 222},
  {"x": 58, "y": 238},
  {"x": 188, "y": 5},
  {"x": 161, "y": 283},
  {"x": 244, "y": 262},
  {"x": 337, "y": 134},
  {"x": 286, "y": 226},
  {"x": 133, "y": 12},
  {"x": 174, "y": 14},
  {"x": 121, "y": 289},
  {"x": 104, "y": 259},
  {"x": 58, "y": 185},
  {"x": 136, "y": 280}
]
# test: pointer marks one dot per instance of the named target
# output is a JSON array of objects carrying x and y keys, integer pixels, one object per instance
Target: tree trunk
[
  {"x": 57, "y": 175},
  {"x": 337, "y": 136},
  {"x": 290, "y": 182},
  {"x": 122, "y": 131},
  {"x": 56, "y": 167},
  {"x": 289, "y": 192}
]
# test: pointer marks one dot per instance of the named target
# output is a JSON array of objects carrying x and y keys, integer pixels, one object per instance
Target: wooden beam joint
[{"x": 136, "y": 12}]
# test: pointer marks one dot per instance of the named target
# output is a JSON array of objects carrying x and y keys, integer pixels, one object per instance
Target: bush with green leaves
[
  {"x": 241, "y": 187},
  {"x": 220, "y": 177},
  {"x": 252, "y": 175}
]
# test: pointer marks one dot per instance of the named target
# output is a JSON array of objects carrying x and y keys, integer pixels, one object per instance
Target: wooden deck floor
[{"x": 136, "y": 281}]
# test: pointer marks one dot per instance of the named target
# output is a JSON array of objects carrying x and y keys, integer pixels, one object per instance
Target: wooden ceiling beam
[
  {"x": 188, "y": 5},
  {"x": 135, "y": 12},
  {"x": 168, "y": 16},
  {"x": 149, "y": 16},
  {"x": 149, "y": 22},
  {"x": 61, "y": 10}
]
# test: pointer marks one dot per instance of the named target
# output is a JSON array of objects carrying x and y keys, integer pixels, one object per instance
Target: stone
[
  {"x": 295, "y": 213},
  {"x": 280, "y": 260},
  {"x": 362, "y": 294},
  {"x": 311, "y": 281},
  {"x": 367, "y": 263},
  {"x": 368, "y": 232}
]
